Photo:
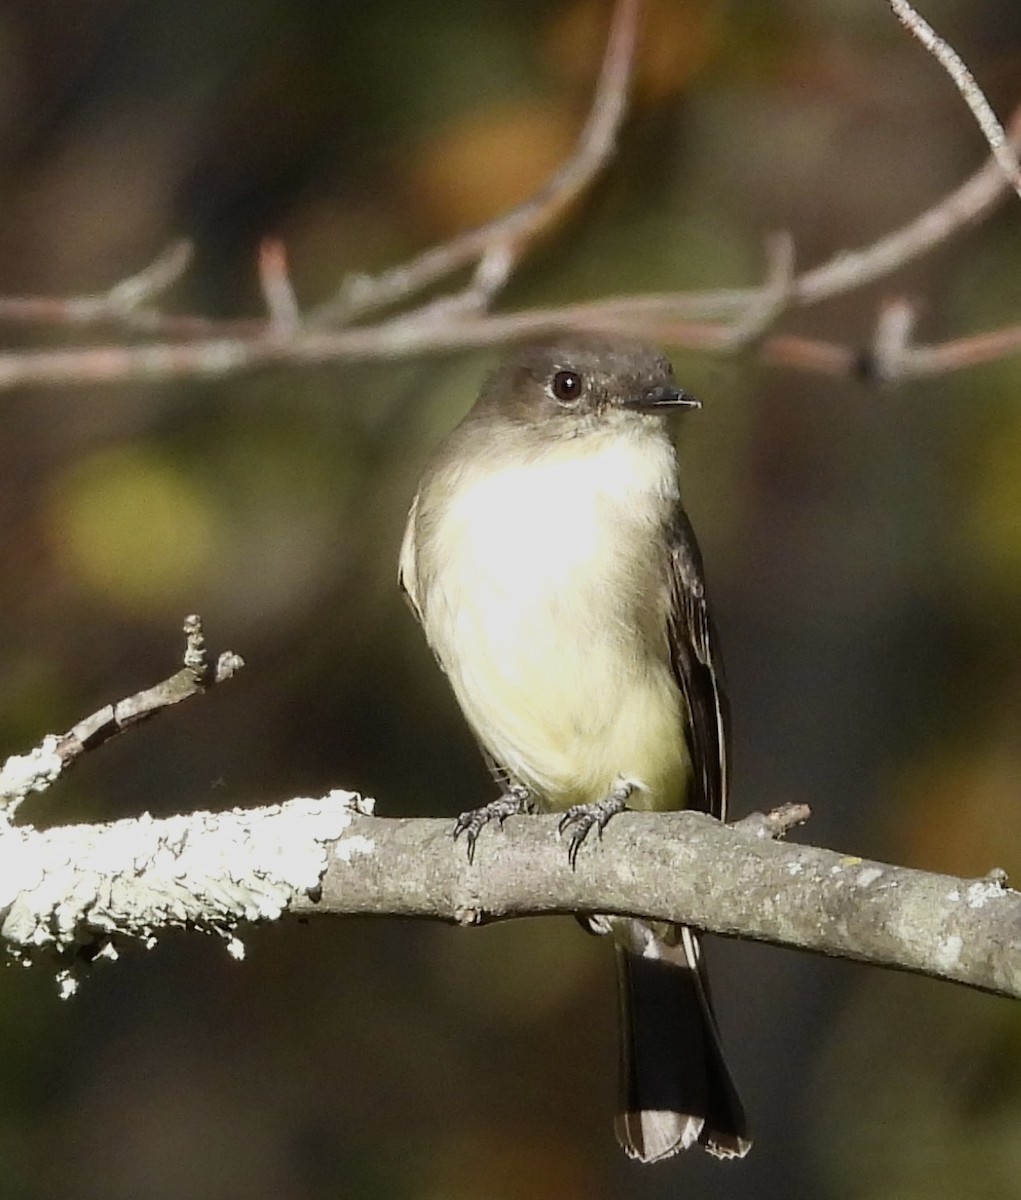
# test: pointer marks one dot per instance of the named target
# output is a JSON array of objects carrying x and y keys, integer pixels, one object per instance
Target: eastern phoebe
[{"x": 560, "y": 586}]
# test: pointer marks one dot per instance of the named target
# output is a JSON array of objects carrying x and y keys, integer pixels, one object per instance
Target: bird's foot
[
  {"x": 581, "y": 819},
  {"x": 516, "y": 800}
]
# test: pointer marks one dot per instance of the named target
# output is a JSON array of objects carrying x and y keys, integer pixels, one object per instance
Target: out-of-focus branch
[
  {"x": 277, "y": 289},
  {"x": 966, "y": 84},
  {"x": 23, "y": 774},
  {"x": 893, "y": 357},
  {"x": 221, "y": 357},
  {"x": 722, "y": 322},
  {"x": 225, "y": 341},
  {"x": 125, "y": 304},
  {"x": 86, "y": 891},
  {"x": 968, "y": 204},
  {"x": 514, "y": 229}
]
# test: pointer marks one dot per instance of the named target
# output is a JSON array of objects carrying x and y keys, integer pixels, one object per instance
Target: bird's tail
[{"x": 675, "y": 1086}]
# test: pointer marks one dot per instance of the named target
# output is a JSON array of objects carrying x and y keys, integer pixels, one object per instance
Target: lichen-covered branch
[
  {"x": 80, "y": 892},
  {"x": 23, "y": 774}
]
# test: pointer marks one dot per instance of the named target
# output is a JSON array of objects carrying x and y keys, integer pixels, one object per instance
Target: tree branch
[
  {"x": 966, "y": 84},
  {"x": 80, "y": 892},
  {"x": 24, "y": 774},
  {"x": 513, "y": 229},
  {"x": 76, "y": 893},
  {"x": 723, "y": 322}
]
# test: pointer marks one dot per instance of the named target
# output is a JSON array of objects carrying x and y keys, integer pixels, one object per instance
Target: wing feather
[
  {"x": 407, "y": 576},
  {"x": 698, "y": 669}
]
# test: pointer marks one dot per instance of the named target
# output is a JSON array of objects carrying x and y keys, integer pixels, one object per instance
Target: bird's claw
[
  {"x": 581, "y": 819},
  {"x": 471, "y": 823}
]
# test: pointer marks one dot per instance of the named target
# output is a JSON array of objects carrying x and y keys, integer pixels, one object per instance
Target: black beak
[{"x": 663, "y": 397}]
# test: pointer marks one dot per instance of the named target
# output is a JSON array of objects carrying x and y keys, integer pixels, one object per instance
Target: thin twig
[
  {"x": 489, "y": 277},
  {"x": 959, "y": 353},
  {"x": 277, "y": 289},
  {"x": 216, "y": 348},
  {"x": 966, "y": 84},
  {"x": 217, "y": 358},
  {"x": 37, "y": 770},
  {"x": 813, "y": 355},
  {"x": 891, "y": 341},
  {"x": 774, "y": 295},
  {"x": 720, "y": 321},
  {"x": 844, "y": 272},
  {"x": 892, "y": 358},
  {"x": 197, "y": 676},
  {"x": 595, "y": 145},
  {"x": 123, "y": 304},
  {"x": 152, "y": 281},
  {"x": 969, "y": 203}
]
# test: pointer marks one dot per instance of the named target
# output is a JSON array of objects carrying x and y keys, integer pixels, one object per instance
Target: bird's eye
[{"x": 566, "y": 386}]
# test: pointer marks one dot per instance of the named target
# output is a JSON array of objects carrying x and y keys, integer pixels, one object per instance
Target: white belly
[{"x": 538, "y": 628}]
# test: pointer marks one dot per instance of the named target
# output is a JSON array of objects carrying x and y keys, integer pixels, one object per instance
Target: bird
[{"x": 558, "y": 581}]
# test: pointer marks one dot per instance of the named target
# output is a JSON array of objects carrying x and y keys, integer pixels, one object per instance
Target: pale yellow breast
[{"x": 538, "y": 604}]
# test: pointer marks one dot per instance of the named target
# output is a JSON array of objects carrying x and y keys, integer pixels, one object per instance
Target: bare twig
[
  {"x": 965, "y": 82},
  {"x": 891, "y": 342},
  {"x": 853, "y": 269},
  {"x": 218, "y": 353},
  {"x": 123, "y": 304},
  {"x": 721, "y": 321},
  {"x": 277, "y": 289},
  {"x": 217, "y": 349},
  {"x": 37, "y": 770},
  {"x": 774, "y": 296},
  {"x": 197, "y": 676},
  {"x": 493, "y": 270},
  {"x": 774, "y": 824},
  {"x": 596, "y": 143},
  {"x": 151, "y": 282},
  {"x": 812, "y": 355},
  {"x": 965, "y": 352},
  {"x": 892, "y": 357},
  {"x": 221, "y": 357}
]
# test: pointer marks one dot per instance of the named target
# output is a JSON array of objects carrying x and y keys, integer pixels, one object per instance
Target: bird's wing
[
  {"x": 406, "y": 574},
  {"x": 698, "y": 669}
]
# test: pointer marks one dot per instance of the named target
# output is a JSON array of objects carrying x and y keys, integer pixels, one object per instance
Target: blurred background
[{"x": 863, "y": 547}]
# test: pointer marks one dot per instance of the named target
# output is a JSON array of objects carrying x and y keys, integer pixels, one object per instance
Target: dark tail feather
[{"x": 675, "y": 1086}]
